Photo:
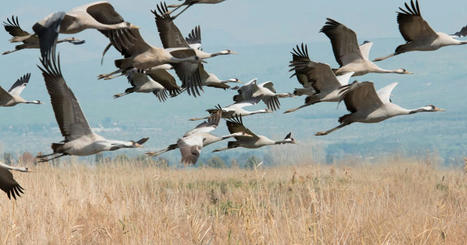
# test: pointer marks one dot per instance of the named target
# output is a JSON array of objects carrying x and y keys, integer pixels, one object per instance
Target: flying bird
[
  {"x": 12, "y": 97},
  {"x": 194, "y": 41},
  {"x": 319, "y": 82},
  {"x": 171, "y": 37},
  {"x": 368, "y": 106},
  {"x": 143, "y": 82},
  {"x": 139, "y": 54},
  {"x": 249, "y": 139},
  {"x": 350, "y": 56},
  {"x": 28, "y": 40},
  {"x": 79, "y": 140},
  {"x": 98, "y": 15},
  {"x": 7, "y": 183},
  {"x": 233, "y": 110},
  {"x": 252, "y": 92},
  {"x": 418, "y": 34},
  {"x": 189, "y": 3},
  {"x": 193, "y": 141}
]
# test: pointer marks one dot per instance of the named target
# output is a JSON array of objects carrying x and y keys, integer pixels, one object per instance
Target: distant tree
[
  {"x": 216, "y": 162},
  {"x": 7, "y": 158},
  {"x": 252, "y": 162},
  {"x": 26, "y": 158},
  {"x": 122, "y": 158},
  {"x": 99, "y": 158}
]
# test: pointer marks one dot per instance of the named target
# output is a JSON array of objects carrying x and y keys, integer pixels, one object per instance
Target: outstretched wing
[
  {"x": 128, "y": 42},
  {"x": 385, "y": 93},
  {"x": 365, "y": 49},
  {"x": 361, "y": 97},
  {"x": 299, "y": 57},
  {"x": 318, "y": 76},
  {"x": 9, "y": 185},
  {"x": 47, "y": 30},
  {"x": 190, "y": 148},
  {"x": 411, "y": 24},
  {"x": 68, "y": 113},
  {"x": 171, "y": 37},
  {"x": 12, "y": 26},
  {"x": 166, "y": 80},
  {"x": 462, "y": 32},
  {"x": 104, "y": 13},
  {"x": 344, "y": 42},
  {"x": 207, "y": 126},
  {"x": 19, "y": 85},
  {"x": 194, "y": 38},
  {"x": 235, "y": 125}
]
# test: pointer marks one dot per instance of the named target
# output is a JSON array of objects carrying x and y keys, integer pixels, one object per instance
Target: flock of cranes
[{"x": 147, "y": 67}]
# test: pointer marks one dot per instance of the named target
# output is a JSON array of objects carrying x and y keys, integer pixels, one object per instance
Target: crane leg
[{"x": 322, "y": 133}]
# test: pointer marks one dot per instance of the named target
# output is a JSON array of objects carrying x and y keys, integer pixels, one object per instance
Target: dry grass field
[{"x": 391, "y": 202}]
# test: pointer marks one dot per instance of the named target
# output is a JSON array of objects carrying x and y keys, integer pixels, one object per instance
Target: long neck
[
  {"x": 32, "y": 102},
  {"x": 381, "y": 70},
  {"x": 281, "y": 142},
  {"x": 421, "y": 109},
  {"x": 21, "y": 169},
  {"x": 258, "y": 112}
]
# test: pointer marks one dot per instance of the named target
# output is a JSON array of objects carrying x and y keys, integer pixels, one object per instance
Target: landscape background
[{"x": 263, "y": 33}]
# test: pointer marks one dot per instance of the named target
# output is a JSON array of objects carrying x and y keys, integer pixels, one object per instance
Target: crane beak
[{"x": 439, "y": 109}]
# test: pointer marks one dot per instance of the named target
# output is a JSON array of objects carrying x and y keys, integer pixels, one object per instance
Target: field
[{"x": 389, "y": 202}]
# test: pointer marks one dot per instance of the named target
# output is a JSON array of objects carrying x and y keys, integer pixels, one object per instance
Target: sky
[{"x": 262, "y": 31}]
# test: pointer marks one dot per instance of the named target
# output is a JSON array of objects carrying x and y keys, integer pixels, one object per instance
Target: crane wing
[
  {"x": 19, "y": 85},
  {"x": 194, "y": 38},
  {"x": 13, "y": 28},
  {"x": 235, "y": 125},
  {"x": 4, "y": 96},
  {"x": 385, "y": 93},
  {"x": 300, "y": 58},
  {"x": 365, "y": 49},
  {"x": 104, "y": 13},
  {"x": 462, "y": 32},
  {"x": 344, "y": 42},
  {"x": 361, "y": 97},
  {"x": 171, "y": 37},
  {"x": 9, "y": 185},
  {"x": 166, "y": 80},
  {"x": 190, "y": 148},
  {"x": 209, "y": 125},
  {"x": 68, "y": 113},
  {"x": 411, "y": 24}
]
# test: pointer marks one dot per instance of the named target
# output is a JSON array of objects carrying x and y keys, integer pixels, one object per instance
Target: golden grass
[{"x": 385, "y": 203}]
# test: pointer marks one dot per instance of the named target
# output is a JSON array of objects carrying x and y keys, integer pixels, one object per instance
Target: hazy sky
[{"x": 251, "y": 27}]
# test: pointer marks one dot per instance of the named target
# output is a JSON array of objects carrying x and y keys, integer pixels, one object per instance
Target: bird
[
  {"x": 233, "y": 110},
  {"x": 79, "y": 139},
  {"x": 252, "y": 92},
  {"x": 319, "y": 82},
  {"x": 249, "y": 139},
  {"x": 171, "y": 37},
  {"x": 368, "y": 106},
  {"x": 461, "y": 33},
  {"x": 28, "y": 40},
  {"x": 418, "y": 34},
  {"x": 97, "y": 15},
  {"x": 194, "y": 41},
  {"x": 7, "y": 183},
  {"x": 143, "y": 83},
  {"x": 12, "y": 97},
  {"x": 350, "y": 56},
  {"x": 193, "y": 141},
  {"x": 189, "y": 3},
  {"x": 141, "y": 55},
  {"x": 211, "y": 80}
]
